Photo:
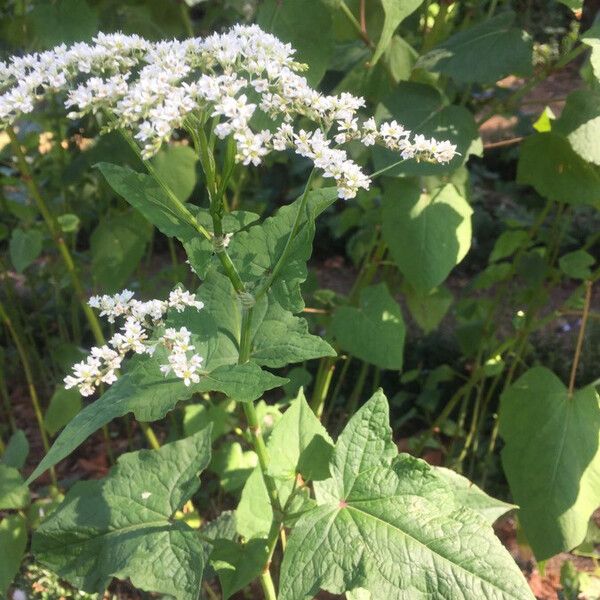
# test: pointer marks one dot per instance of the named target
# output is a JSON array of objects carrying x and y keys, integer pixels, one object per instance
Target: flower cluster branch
[{"x": 151, "y": 88}]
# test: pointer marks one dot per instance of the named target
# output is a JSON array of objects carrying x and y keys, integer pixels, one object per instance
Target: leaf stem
[
  {"x": 35, "y": 402},
  {"x": 580, "y": 337},
  {"x": 364, "y": 36}
]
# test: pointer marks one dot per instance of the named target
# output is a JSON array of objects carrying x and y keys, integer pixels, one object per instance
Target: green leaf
[
  {"x": 592, "y": 39},
  {"x": 543, "y": 124},
  {"x": 254, "y": 514},
  {"x": 374, "y": 331},
  {"x": 64, "y": 405},
  {"x": 256, "y": 251},
  {"x": 294, "y": 21},
  {"x": 24, "y": 247},
  {"x": 580, "y": 123},
  {"x": 13, "y": 542},
  {"x": 389, "y": 524},
  {"x": 283, "y": 339},
  {"x": 428, "y": 308},
  {"x": 508, "y": 243},
  {"x": 200, "y": 251},
  {"x": 468, "y": 494},
  {"x": 176, "y": 166},
  {"x": 577, "y": 264},
  {"x": 62, "y": 22},
  {"x": 238, "y": 564},
  {"x": 16, "y": 451},
  {"x": 549, "y": 164},
  {"x": 117, "y": 245},
  {"x": 428, "y": 234},
  {"x": 394, "y": 13},
  {"x": 233, "y": 465},
  {"x": 146, "y": 196},
  {"x": 500, "y": 48},
  {"x": 243, "y": 383},
  {"x": 69, "y": 223},
  {"x": 219, "y": 415},
  {"x": 299, "y": 444},
  {"x": 122, "y": 526},
  {"x": 13, "y": 491},
  {"x": 553, "y": 468},
  {"x": 422, "y": 109}
]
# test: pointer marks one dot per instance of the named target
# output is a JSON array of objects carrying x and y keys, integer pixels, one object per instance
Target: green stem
[
  {"x": 358, "y": 388},
  {"x": 37, "y": 409},
  {"x": 263, "y": 289},
  {"x": 580, "y": 337},
  {"x": 54, "y": 230},
  {"x": 324, "y": 376}
]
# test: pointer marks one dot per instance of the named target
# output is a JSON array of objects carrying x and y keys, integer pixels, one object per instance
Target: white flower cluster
[
  {"x": 102, "y": 364},
  {"x": 151, "y": 88}
]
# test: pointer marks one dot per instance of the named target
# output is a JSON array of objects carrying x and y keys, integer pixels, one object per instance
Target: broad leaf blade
[
  {"x": 13, "y": 541},
  {"x": 553, "y": 468},
  {"x": 121, "y": 526},
  {"x": 392, "y": 527},
  {"x": 299, "y": 444},
  {"x": 374, "y": 331}
]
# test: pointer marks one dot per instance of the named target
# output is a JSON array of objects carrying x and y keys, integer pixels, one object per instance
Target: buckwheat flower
[{"x": 179, "y": 299}]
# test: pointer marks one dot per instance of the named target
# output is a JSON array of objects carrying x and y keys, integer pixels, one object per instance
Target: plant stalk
[{"x": 580, "y": 337}]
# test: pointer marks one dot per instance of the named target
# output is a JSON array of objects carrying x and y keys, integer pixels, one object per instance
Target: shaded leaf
[
  {"x": 500, "y": 48},
  {"x": 13, "y": 491},
  {"x": 176, "y": 166},
  {"x": 428, "y": 234},
  {"x": 553, "y": 469},
  {"x": 238, "y": 564},
  {"x": 24, "y": 247},
  {"x": 16, "y": 451},
  {"x": 13, "y": 542},
  {"x": 64, "y": 405},
  {"x": 374, "y": 331},
  {"x": 549, "y": 164}
]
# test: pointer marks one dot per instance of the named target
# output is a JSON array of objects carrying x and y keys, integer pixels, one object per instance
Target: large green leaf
[
  {"x": 500, "y": 48},
  {"x": 580, "y": 123},
  {"x": 390, "y": 525},
  {"x": 13, "y": 541},
  {"x": 299, "y": 444},
  {"x": 549, "y": 164},
  {"x": 306, "y": 25},
  {"x": 551, "y": 458},
  {"x": 122, "y": 526},
  {"x": 149, "y": 198},
  {"x": 117, "y": 245},
  {"x": 176, "y": 166},
  {"x": 422, "y": 109},
  {"x": 394, "y": 13},
  {"x": 13, "y": 491},
  {"x": 374, "y": 331},
  {"x": 428, "y": 234},
  {"x": 257, "y": 250}
]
